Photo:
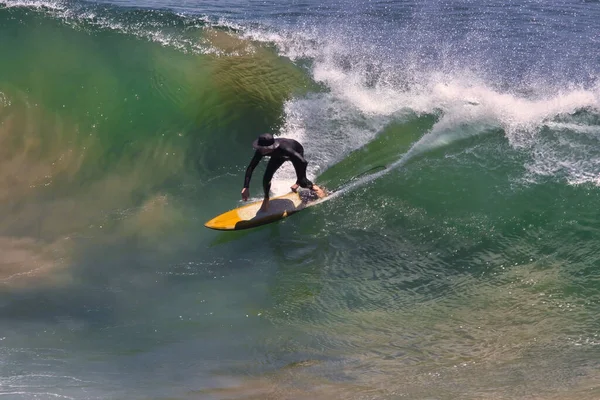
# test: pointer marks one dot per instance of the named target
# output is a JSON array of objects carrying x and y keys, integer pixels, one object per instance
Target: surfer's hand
[
  {"x": 294, "y": 187},
  {"x": 245, "y": 194}
]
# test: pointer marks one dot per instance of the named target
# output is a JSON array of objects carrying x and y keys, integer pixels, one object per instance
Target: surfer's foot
[
  {"x": 320, "y": 192},
  {"x": 295, "y": 187},
  {"x": 265, "y": 206}
]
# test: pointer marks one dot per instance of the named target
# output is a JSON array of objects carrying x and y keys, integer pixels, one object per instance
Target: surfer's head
[{"x": 265, "y": 143}]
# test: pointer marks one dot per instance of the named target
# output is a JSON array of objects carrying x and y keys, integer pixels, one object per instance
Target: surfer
[{"x": 280, "y": 150}]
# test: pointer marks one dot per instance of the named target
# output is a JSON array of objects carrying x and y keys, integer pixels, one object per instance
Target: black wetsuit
[{"x": 288, "y": 150}]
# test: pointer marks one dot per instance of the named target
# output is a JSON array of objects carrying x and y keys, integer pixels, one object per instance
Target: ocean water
[{"x": 459, "y": 257}]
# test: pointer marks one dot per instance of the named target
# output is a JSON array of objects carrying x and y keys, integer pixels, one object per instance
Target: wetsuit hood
[{"x": 265, "y": 141}]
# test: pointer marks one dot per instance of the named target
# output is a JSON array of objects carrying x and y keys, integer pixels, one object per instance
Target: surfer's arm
[{"x": 253, "y": 163}]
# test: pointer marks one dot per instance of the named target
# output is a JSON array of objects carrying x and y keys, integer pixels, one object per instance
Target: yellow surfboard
[{"x": 249, "y": 216}]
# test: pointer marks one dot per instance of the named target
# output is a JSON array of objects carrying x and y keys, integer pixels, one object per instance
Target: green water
[{"x": 119, "y": 121}]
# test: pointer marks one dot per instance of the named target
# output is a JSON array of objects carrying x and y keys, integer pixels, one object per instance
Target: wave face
[{"x": 455, "y": 259}]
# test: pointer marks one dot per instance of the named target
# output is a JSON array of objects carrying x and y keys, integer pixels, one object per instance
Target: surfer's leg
[
  {"x": 272, "y": 166},
  {"x": 304, "y": 182},
  {"x": 301, "y": 179}
]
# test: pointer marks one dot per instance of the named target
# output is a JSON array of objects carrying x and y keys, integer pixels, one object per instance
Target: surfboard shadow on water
[{"x": 278, "y": 208}]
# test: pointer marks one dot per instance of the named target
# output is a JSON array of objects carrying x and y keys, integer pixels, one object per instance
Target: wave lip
[{"x": 36, "y": 4}]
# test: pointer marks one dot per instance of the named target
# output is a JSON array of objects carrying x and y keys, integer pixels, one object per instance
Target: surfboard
[{"x": 249, "y": 216}]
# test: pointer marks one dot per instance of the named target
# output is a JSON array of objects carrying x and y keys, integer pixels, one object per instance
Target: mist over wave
[{"x": 375, "y": 76}]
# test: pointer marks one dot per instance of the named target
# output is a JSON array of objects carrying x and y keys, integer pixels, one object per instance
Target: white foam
[
  {"x": 352, "y": 113},
  {"x": 366, "y": 93},
  {"x": 51, "y": 5},
  {"x": 585, "y": 129}
]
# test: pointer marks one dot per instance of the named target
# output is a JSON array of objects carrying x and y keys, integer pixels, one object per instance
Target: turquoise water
[{"x": 458, "y": 258}]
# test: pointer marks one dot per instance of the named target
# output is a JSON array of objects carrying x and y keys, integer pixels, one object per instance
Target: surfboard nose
[{"x": 223, "y": 222}]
